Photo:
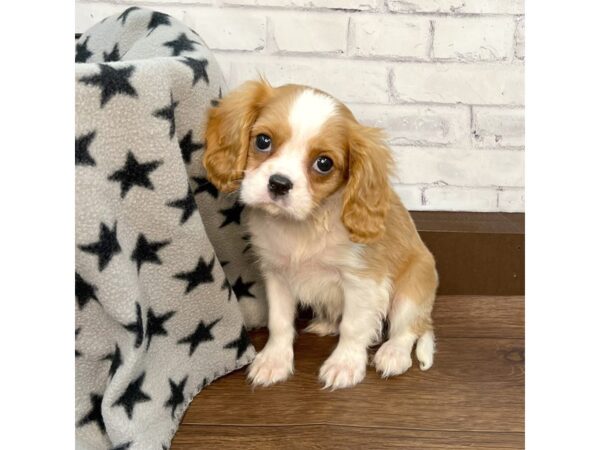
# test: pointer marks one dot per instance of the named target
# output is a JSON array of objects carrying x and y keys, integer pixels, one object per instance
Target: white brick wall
[{"x": 444, "y": 78}]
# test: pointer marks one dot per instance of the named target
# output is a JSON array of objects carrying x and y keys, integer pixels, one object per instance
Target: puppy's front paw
[
  {"x": 270, "y": 367},
  {"x": 322, "y": 327},
  {"x": 343, "y": 370},
  {"x": 392, "y": 359}
]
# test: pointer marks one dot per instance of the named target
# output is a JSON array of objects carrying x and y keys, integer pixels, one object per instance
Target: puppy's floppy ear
[
  {"x": 367, "y": 194},
  {"x": 228, "y": 133}
]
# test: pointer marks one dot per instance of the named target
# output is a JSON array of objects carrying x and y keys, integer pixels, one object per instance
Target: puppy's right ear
[{"x": 228, "y": 133}]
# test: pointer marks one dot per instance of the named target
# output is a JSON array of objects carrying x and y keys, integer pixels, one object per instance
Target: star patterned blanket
[{"x": 162, "y": 263}]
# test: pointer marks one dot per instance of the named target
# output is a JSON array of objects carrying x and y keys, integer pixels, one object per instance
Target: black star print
[
  {"x": 198, "y": 66},
  {"x": 137, "y": 327},
  {"x": 134, "y": 173},
  {"x": 241, "y": 343},
  {"x": 146, "y": 251},
  {"x": 201, "y": 334},
  {"x": 82, "y": 154},
  {"x": 242, "y": 289},
  {"x": 84, "y": 291},
  {"x": 94, "y": 414},
  {"x": 176, "y": 398},
  {"x": 115, "y": 361},
  {"x": 106, "y": 247},
  {"x": 201, "y": 274},
  {"x": 181, "y": 44},
  {"x": 156, "y": 20},
  {"x": 124, "y": 446},
  {"x": 187, "y": 205},
  {"x": 112, "y": 82},
  {"x": 154, "y": 325},
  {"x": 227, "y": 285},
  {"x": 205, "y": 186},
  {"x": 215, "y": 102},
  {"x": 232, "y": 214},
  {"x": 82, "y": 53},
  {"x": 132, "y": 395},
  {"x": 113, "y": 56},
  {"x": 124, "y": 14},
  {"x": 188, "y": 146},
  {"x": 168, "y": 113},
  {"x": 77, "y": 352}
]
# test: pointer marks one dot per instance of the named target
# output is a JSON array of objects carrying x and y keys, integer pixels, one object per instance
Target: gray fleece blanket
[{"x": 163, "y": 266}]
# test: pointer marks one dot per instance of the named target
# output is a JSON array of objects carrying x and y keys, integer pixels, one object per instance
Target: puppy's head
[{"x": 290, "y": 148}]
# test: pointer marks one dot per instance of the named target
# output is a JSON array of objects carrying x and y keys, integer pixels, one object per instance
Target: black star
[
  {"x": 205, "y": 186},
  {"x": 198, "y": 66},
  {"x": 77, "y": 352},
  {"x": 227, "y": 285},
  {"x": 82, "y": 154},
  {"x": 201, "y": 274},
  {"x": 168, "y": 113},
  {"x": 242, "y": 289},
  {"x": 146, "y": 251},
  {"x": 124, "y": 14},
  {"x": 113, "y": 56},
  {"x": 94, "y": 414},
  {"x": 156, "y": 20},
  {"x": 82, "y": 53},
  {"x": 187, "y": 205},
  {"x": 123, "y": 446},
  {"x": 134, "y": 173},
  {"x": 241, "y": 343},
  {"x": 214, "y": 101},
  {"x": 154, "y": 325},
  {"x": 132, "y": 395},
  {"x": 232, "y": 214},
  {"x": 84, "y": 291},
  {"x": 181, "y": 44},
  {"x": 188, "y": 146},
  {"x": 137, "y": 327},
  {"x": 115, "y": 361},
  {"x": 112, "y": 82},
  {"x": 106, "y": 247},
  {"x": 176, "y": 398},
  {"x": 201, "y": 334}
]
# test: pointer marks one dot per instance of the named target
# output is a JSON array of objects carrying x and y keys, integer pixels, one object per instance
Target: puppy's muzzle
[{"x": 279, "y": 185}]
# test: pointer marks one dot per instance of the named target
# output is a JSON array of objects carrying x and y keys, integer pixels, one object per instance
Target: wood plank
[
  {"x": 479, "y": 316},
  {"x": 476, "y": 384},
  {"x": 325, "y": 436},
  {"x": 469, "y": 222}
]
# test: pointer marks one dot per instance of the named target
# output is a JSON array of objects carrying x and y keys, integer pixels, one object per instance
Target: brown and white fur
[{"x": 340, "y": 242}]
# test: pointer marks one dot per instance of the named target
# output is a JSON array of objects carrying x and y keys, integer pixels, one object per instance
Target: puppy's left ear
[{"x": 367, "y": 194}]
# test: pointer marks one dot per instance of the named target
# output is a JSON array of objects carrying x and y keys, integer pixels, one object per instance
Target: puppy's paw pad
[
  {"x": 391, "y": 360},
  {"x": 339, "y": 374},
  {"x": 321, "y": 327},
  {"x": 267, "y": 369}
]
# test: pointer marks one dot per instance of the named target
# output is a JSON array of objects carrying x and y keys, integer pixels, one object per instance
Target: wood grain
[{"x": 471, "y": 398}]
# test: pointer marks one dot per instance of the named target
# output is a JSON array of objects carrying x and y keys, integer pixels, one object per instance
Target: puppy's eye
[
  {"x": 323, "y": 164},
  {"x": 262, "y": 143}
]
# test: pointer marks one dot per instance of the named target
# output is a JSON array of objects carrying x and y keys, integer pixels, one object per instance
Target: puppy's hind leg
[{"x": 409, "y": 321}]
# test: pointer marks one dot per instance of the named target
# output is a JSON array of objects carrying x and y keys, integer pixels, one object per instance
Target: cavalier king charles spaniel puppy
[{"x": 328, "y": 230}]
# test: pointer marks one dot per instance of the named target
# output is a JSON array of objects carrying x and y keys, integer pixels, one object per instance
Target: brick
[
  {"x": 418, "y": 124},
  {"x": 309, "y": 32},
  {"x": 511, "y": 200},
  {"x": 391, "y": 36},
  {"x": 459, "y": 167},
  {"x": 228, "y": 30},
  {"x": 349, "y": 81},
  {"x": 520, "y": 39},
  {"x": 452, "y": 198},
  {"x": 458, "y": 6},
  {"x": 410, "y": 195},
  {"x": 473, "y": 38},
  {"x": 498, "y": 127},
  {"x": 485, "y": 83},
  {"x": 353, "y": 5}
]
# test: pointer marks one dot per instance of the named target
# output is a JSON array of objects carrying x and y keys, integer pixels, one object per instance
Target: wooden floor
[{"x": 473, "y": 397}]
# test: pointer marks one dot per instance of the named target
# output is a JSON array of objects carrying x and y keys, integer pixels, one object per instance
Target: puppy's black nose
[{"x": 279, "y": 184}]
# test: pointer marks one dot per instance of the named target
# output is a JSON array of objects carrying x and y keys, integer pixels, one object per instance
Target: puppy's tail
[{"x": 426, "y": 349}]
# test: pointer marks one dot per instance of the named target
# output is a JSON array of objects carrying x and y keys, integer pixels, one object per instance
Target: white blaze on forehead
[{"x": 309, "y": 112}]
